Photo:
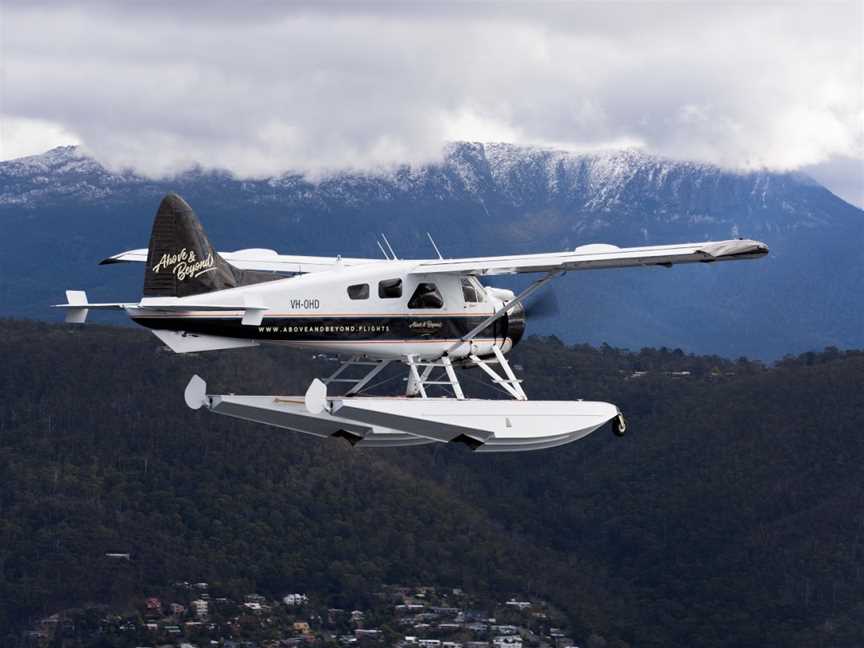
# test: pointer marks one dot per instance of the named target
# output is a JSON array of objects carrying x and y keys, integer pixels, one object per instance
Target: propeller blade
[{"x": 544, "y": 305}]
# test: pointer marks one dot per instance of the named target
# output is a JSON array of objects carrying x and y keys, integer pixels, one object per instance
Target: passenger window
[
  {"x": 390, "y": 288},
  {"x": 469, "y": 291},
  {"x": 358, "y": 291},
  {"x": 426, "y": 296}
]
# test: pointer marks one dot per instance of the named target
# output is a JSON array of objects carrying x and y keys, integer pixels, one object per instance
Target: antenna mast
[
  {"x": 389, "y": 247},
  {"x": 432, "y": 241},
  {"x": 380, "y": 247}
]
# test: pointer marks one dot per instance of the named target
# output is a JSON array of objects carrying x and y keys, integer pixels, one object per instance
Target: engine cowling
[{"x": 516, "y": 324}]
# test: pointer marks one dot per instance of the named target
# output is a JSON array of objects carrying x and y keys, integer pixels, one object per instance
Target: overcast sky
[{"x": 261, "y": 88}]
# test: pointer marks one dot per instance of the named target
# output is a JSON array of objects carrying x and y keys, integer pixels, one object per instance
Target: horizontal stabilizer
[
  {"x": 77, "y": 307},
  {"x": 259, "y": 259}
]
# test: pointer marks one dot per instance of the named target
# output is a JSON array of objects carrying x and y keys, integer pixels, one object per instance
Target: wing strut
[{"x": 539, "y": 283}]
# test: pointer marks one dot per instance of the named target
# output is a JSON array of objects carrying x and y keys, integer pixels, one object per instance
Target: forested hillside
[{"x": 730, "y": 515}]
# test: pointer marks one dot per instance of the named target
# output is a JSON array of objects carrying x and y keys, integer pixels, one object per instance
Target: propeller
[{"x": 544, "y": 305}]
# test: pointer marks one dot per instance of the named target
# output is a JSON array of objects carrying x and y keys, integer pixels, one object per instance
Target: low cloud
[{"x": 157, "y": 89}]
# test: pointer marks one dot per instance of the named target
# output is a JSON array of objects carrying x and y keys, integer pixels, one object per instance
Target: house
[
  {"x": 429, "y": 643},
  {"x": 295, "y": 600},
  {"x": 302, "y": 627},
  {"x": 505, "y": 629},
  {"x": 177, "y": 609},
  {"x": 521, "y": 605},
  {"x": 152, "y": 607},
  {"x": 507, "y": 641},
  {"x": 200, "y": 607},
  {"x": 367, "y": 634},
  {"x": 425, "y": 616},
  {"x": 446, "y": 611}
]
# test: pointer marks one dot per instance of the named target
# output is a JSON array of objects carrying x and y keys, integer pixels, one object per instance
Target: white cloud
[
  {"x": 157, "y": 87},
  {"x": 20, "y": 136}
]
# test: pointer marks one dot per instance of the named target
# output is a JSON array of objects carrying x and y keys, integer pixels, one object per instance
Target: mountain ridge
[
  {"x": 475, "y": 164},
  {"x": 483, "y": 199}
]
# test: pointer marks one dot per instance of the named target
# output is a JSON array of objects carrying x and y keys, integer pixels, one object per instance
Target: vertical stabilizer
[{"x": 180, "y": 259}]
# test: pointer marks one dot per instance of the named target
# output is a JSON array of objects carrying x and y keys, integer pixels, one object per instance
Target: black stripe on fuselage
[{"x": 324, "y": 329}]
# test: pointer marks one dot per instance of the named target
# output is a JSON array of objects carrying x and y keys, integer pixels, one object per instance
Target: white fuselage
[{"x": 380, "y": 310}]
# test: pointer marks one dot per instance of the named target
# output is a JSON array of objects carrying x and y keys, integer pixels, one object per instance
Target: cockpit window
[
  {"x": 472, "y": 290},
  {"x": 426, "y": 296},
  {"x": 390, "y": 288},
  {"x": 358, "y": 291}
]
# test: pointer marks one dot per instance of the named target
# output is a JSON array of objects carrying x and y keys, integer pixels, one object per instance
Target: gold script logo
[
  {"x": 426, "y": 326},
  {"x": 185, "y": 264}
]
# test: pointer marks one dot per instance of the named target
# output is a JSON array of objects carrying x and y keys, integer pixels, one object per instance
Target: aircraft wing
[
  {"x": 586, "y": 257},
  {"x": 258, "y": 259},
  {"x": 595, "y": 256}
]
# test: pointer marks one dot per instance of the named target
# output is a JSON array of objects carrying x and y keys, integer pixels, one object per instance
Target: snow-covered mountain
[
  {"x": 62, "y": 211},
  {"x": 528, "y": 178}
]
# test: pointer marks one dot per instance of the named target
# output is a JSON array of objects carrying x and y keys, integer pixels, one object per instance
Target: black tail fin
[{"x": 180, "y": 259}]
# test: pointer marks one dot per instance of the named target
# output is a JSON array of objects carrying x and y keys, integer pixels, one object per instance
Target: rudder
[{"x": 180, "y": 259}]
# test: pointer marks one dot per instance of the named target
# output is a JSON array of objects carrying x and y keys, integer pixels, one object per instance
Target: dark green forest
[{"x": 731, "y": 514}]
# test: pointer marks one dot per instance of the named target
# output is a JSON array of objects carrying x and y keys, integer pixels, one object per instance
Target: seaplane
[{"x": 433, "y": 318}]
